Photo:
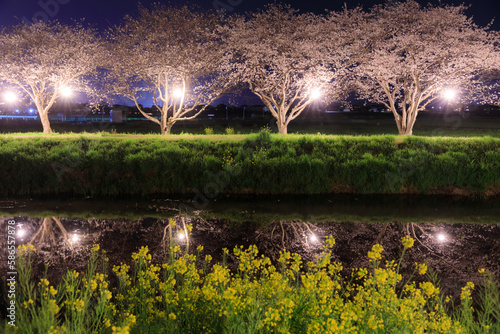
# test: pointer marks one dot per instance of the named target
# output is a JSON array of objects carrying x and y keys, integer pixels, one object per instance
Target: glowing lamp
[
  {"x": 66, "y": 92},
  {"x": 449, "y": 94},
  {"x": 315, "y": 94},
  {"x": 178, "y": 93},
  {"x": 10, "y": 97}
]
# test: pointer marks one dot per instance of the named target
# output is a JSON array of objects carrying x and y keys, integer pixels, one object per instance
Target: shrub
[{"x": 269, "y": 164}]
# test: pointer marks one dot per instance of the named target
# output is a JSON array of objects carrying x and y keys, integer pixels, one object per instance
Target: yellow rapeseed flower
[
  {"x": 422, "y": 268},
  {"x": 24, "y": 248},
  {"x": 429, "y": 288},
  {"x": 120, "y": 330},
  {"x": 407, "y": 241},
  {"x": 374, "y": 254},
  {"x": 75, "y": 274},
  {"x": 466, "y": 291},
  {"x": 108, "y": 294}
]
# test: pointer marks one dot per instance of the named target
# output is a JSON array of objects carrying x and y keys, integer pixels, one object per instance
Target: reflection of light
[
  {"x": 10, "y": 97},
  {"x": 441, "y": 237},
  {"x": 449, "y": 94},
  {"x": 21, "y": 232},
  {"x": 313, "y": 238},
  {"x": 181, "y": 236},
  {"x": 31, "y": 111},
  {"x": 66, "y": 92},
  {"x": 75, "y": 238},
  {"x": 178, "y": 93}
]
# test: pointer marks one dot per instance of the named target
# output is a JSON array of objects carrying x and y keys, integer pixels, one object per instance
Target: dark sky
[{"x": 103, "y": 12}]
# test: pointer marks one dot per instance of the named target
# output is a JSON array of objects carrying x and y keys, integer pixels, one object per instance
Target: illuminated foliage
[
  {"x": 289, "y": 59},
  {"x": 410, "y": 56},
  {"x": 43, "y": 60},
  {"x": 174, "y": 54}
]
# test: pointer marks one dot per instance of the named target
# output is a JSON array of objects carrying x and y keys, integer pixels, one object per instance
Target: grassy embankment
[
  {"x": 188, "y": 294},
  {"x": 126, "y": 165}
]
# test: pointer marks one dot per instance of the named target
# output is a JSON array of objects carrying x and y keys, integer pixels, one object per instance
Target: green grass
[
  {"x": 138, "y": 165},
  {"x": 186, "y": 293}
]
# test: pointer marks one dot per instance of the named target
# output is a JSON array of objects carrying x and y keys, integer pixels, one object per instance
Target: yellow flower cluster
[
  {"x": 77, "y": 305},
  {"x": 142, "y": 255},
  {"x": 375, "y": 253},
  {"x": 407, "y": 241},
  {"x": 25, "y": 249},
  {"x": 318, "y": 297},
  {"x": 422, "y": 268},
  {"x": 57, "y": 330},
  {"x": 28, "y": 303},
  {"x": 466, "y": 291}
]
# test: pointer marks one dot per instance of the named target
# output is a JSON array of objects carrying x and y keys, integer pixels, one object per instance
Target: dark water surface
[{"x": 455, "y": 236}]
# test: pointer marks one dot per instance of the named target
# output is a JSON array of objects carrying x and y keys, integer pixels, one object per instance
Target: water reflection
[
  {"x": 47, "y": 231},
  {"x": 455, "y": 251}
]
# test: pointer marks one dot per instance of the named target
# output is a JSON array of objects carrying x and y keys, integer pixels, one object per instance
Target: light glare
[
  {"x": 449, "y": 94},
  {"x": 75, "y": 238},
  {"x": 441, "y": 237},
  {"x": 178, "y": 93},
  {"x": 21, "y": 232},
  {"x": 313, "y": 238},
  {"x": 66, "y": 92},
  {"x": 181, "y": 236},
  {"x": 315, "y": 94},
  {"x": 10, "y": 97}
]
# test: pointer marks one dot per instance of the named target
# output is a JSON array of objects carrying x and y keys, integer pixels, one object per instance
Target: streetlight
[
  {"x": 449, "y": 94},
  {"x": 178, "y": 93},
  {"x": 315, "y": 94},
  {"x": 66, "y": 92},
  {"x": 10, "y": 97}
]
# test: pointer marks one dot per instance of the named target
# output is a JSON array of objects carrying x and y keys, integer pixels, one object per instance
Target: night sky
[{"x": 105, "y": 12}]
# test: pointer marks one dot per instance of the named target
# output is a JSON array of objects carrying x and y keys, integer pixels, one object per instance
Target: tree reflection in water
[
  {"x": 456, "y": 258},
  {"x": 46, "y": 233}
]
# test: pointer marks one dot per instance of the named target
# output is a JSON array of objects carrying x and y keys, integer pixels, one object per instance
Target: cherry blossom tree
[
  {"x": 289, "y": 59},
  {"x": 175, "y": 55},
  {"x": 44, "y": 60},
  {"x": 410, "y": 55}
]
